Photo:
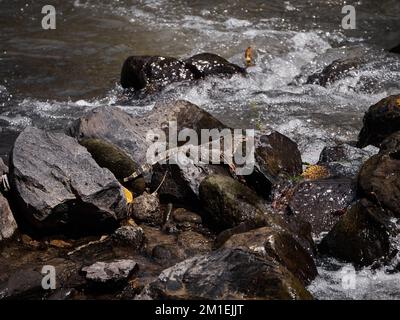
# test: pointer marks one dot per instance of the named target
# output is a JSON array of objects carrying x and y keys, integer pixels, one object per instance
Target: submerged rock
[
  {"x": 57, "y": 186},
  {"x": 322, "y": 202},
  {"x": 227, "y": 202},
  {"x": 7, "y": 221},
  {"x": 344, "y": 160},
  {"x": 110, "y": 273},
  {"x": 380, "y": 121},
  {"x": 361, "y": 235},
  {"x": 277, "y": 244},
  {"x": 155, "y": 72},
  {"x": 379, "y": 181},
  {"x": 226, "y": 274}
]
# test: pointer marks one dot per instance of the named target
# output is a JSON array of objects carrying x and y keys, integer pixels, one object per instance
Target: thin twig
[{"x": 162, "y": 181}]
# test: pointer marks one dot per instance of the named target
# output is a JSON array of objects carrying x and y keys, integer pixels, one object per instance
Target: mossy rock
[
  {"x": 228, "y": 203},
  {"x": 117, "y": 161}
]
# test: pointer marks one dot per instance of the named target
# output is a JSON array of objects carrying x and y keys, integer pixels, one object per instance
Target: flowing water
[{"x": 49, "y": 77}]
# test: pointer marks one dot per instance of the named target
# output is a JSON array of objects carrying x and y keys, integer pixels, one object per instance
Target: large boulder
[
  {"x": 7, "y": 221},
  {"x": 155, "y": 72},
  {"x": 380, "y": 121},
  {"x": 344, "y": 160},
  {"x": 322, "y": 202},
  {"x": 362, "y": 235},
  {"x": 116, "y": 127},
  {"x": 227, "y": 202},
  {"x": 226, "y": 274},
  {"x": 129, "y": 133},
  {"x": 278, "y": 244},
  {"x": 379, "y": 181},
  {"x": 57, "y": 185}
]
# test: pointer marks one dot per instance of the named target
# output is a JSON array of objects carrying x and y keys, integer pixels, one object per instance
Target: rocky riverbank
[{"x": 190, "y": 230}]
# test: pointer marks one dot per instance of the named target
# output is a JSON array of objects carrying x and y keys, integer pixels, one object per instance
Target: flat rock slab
[{"x": 110, "y": 272}]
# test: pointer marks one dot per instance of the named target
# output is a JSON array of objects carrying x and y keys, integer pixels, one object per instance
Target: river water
[{"x": 50, "y": 77}]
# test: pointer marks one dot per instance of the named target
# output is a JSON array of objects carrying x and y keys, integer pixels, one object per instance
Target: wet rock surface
[
  {"x": 380, "y": 121},
  {"x": 155, "y": 72},
  {"x": 57, "y": 185},
  {"x": 322, "y": 202},
  {"x": 226, "y": 274}
]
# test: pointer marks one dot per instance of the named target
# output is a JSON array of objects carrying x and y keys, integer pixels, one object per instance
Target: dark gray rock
[
  {"x": 57, "y": 186},
  {"x": 380, "y": 121},
  {"x": 7, "y": 221},
  {"x": 345, "y": 160},
  {"x": 226, "y": 274},
  {"x": 322, "y": 202},
  {"x": 110, "y": 273}
]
